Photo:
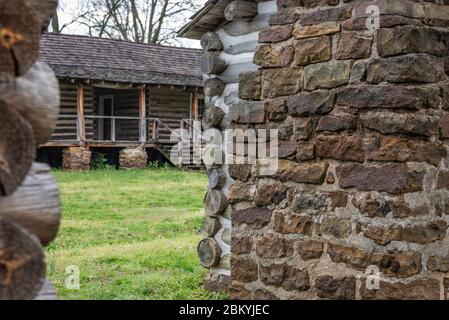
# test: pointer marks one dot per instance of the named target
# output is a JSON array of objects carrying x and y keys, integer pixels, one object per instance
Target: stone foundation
[
  {"x": 216, "y": 282},
  {"x": 135, "y": 158},
  {"x": 76, "y": 158},
  {"x": 359, "y": 208}
]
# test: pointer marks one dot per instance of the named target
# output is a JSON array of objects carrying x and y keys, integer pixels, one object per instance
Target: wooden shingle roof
[
  {"x": 208, "y": 18},
  {"x": 91, "y": 58}
]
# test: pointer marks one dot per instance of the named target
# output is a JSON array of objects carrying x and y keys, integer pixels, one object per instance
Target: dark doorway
[{"x": 106, "y": 110}]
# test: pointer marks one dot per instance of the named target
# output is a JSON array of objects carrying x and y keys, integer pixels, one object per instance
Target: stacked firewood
[{"x": 30, "y": 210}]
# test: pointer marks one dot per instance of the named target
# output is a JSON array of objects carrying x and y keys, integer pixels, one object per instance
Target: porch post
[
  {"x": 142, "y": 114},
  {"x": 80, "y": 112},
  {"x": 195, "y": 106}
]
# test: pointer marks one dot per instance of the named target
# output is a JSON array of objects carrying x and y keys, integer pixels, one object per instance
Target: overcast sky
[{"x": 69, "y": 9}]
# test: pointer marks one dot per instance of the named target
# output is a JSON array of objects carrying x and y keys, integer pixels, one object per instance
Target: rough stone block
[
  {"x": 76, "y": 158},
  {"x": 327, "y": 75},
  {"x": 136, "y": 158},
  {"x": 313, "y": 50},
  {"x": 389, "y": 97},
  {"x": 391, "y": 178},
  {"x": 421, "y": 289},
  {"x": 418, "y": 68},
  {"x": 337, "y": 288},
  {"x": 353, "y": 46}
]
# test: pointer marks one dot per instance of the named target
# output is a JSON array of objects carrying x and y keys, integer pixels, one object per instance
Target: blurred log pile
[{"x": 30, "y": 209}]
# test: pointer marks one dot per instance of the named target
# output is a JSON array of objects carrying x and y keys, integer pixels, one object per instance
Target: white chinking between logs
[{"x": 239, "y": 38}]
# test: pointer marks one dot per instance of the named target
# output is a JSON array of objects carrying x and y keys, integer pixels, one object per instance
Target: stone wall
[{"x": 363, "y": 180}]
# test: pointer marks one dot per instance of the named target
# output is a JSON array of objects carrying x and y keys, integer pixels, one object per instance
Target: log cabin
[{"x": 119, "y": 99}]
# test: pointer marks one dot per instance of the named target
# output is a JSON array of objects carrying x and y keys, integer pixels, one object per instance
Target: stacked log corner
[
  {"x": 30, "y": 210},
  {"x": 359, "y": 207},
  {"x": 211, "y": 251},
  {"x": 228, "y": 53}
]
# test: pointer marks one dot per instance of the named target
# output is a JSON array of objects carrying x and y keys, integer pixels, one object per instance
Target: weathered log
[
  {"x": 210, "y": 41},
  {"x": 225, "y": 262},
  {"x": 240, "y": 10},
  {"x": 44, "y": 10},
  {"x": 213, "y": 156},
  {"x": 47, "y": 293},
  {"x": 244, "y": 28},
  {"x": 209, "y": 252},
  {"x": 211, "y": 63},
  {"x": 211, "y": 226},
  {"x": 36, "y": 97},
  {"x": 212, "y": 117},
  {"x": 17, "y": 149},
  {"x": 244, "y": 47},
  {"x": 22, "y": 265},
  {"x": 19, "y": 38},
  {"x": 36, "y": 204},
  {"x": 215, "y": 202},
  {"x": 217, "y": 178},
  {"x": 226, "y": 236},
  {"x": 232, "y": 73},
  {"x": 213, "y": 87}
]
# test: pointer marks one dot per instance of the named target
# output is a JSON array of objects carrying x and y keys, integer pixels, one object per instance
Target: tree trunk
[
  {"x": 36, "y": 97},
  {"x": 36, "y": 204},
  {"x": 17, "y": 149},
  {"x": 22, "y": 265}
]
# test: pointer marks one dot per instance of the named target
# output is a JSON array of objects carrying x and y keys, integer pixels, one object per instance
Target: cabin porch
[{"x": 137, "y": 123}]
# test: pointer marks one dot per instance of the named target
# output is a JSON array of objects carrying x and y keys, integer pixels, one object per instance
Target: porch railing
[{"x": 144, "y": 130}]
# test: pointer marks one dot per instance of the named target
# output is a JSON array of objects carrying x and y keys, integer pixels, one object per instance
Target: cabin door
[{"x": 105, "y": 111}]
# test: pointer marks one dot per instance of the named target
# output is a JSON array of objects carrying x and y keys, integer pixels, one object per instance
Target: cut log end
[
  {"x": 36, "y": 97},
  {"x": 17, "y": 149},
  {"x": 209, "y": 253},
  {"x": 211, "y": 63},
  {"x": 36, "y": 205},
  {"x": 210, "y": 41},
  {"x": 212, "y": 117},
  {"x": 241, "y": 10},
  {"x": 215, "y": 202},
  {"x": 19, "y": 38},
  {"x": 217, "y": 178},
  {"x": 211, "y": 226},
  {"x": 213, "y": 87},
  {"x": 22, "y": 265}
]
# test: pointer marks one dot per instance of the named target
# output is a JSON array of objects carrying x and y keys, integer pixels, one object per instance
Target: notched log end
[
  {"x": 22, "y": 263},
  {"x": 17, "y": 149}
]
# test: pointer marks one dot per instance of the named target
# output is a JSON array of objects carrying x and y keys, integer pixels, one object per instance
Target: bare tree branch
[{"x": 146, "y": 21}]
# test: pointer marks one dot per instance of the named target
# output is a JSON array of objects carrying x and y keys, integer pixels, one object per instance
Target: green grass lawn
[{"x": 132, "y": 234}]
